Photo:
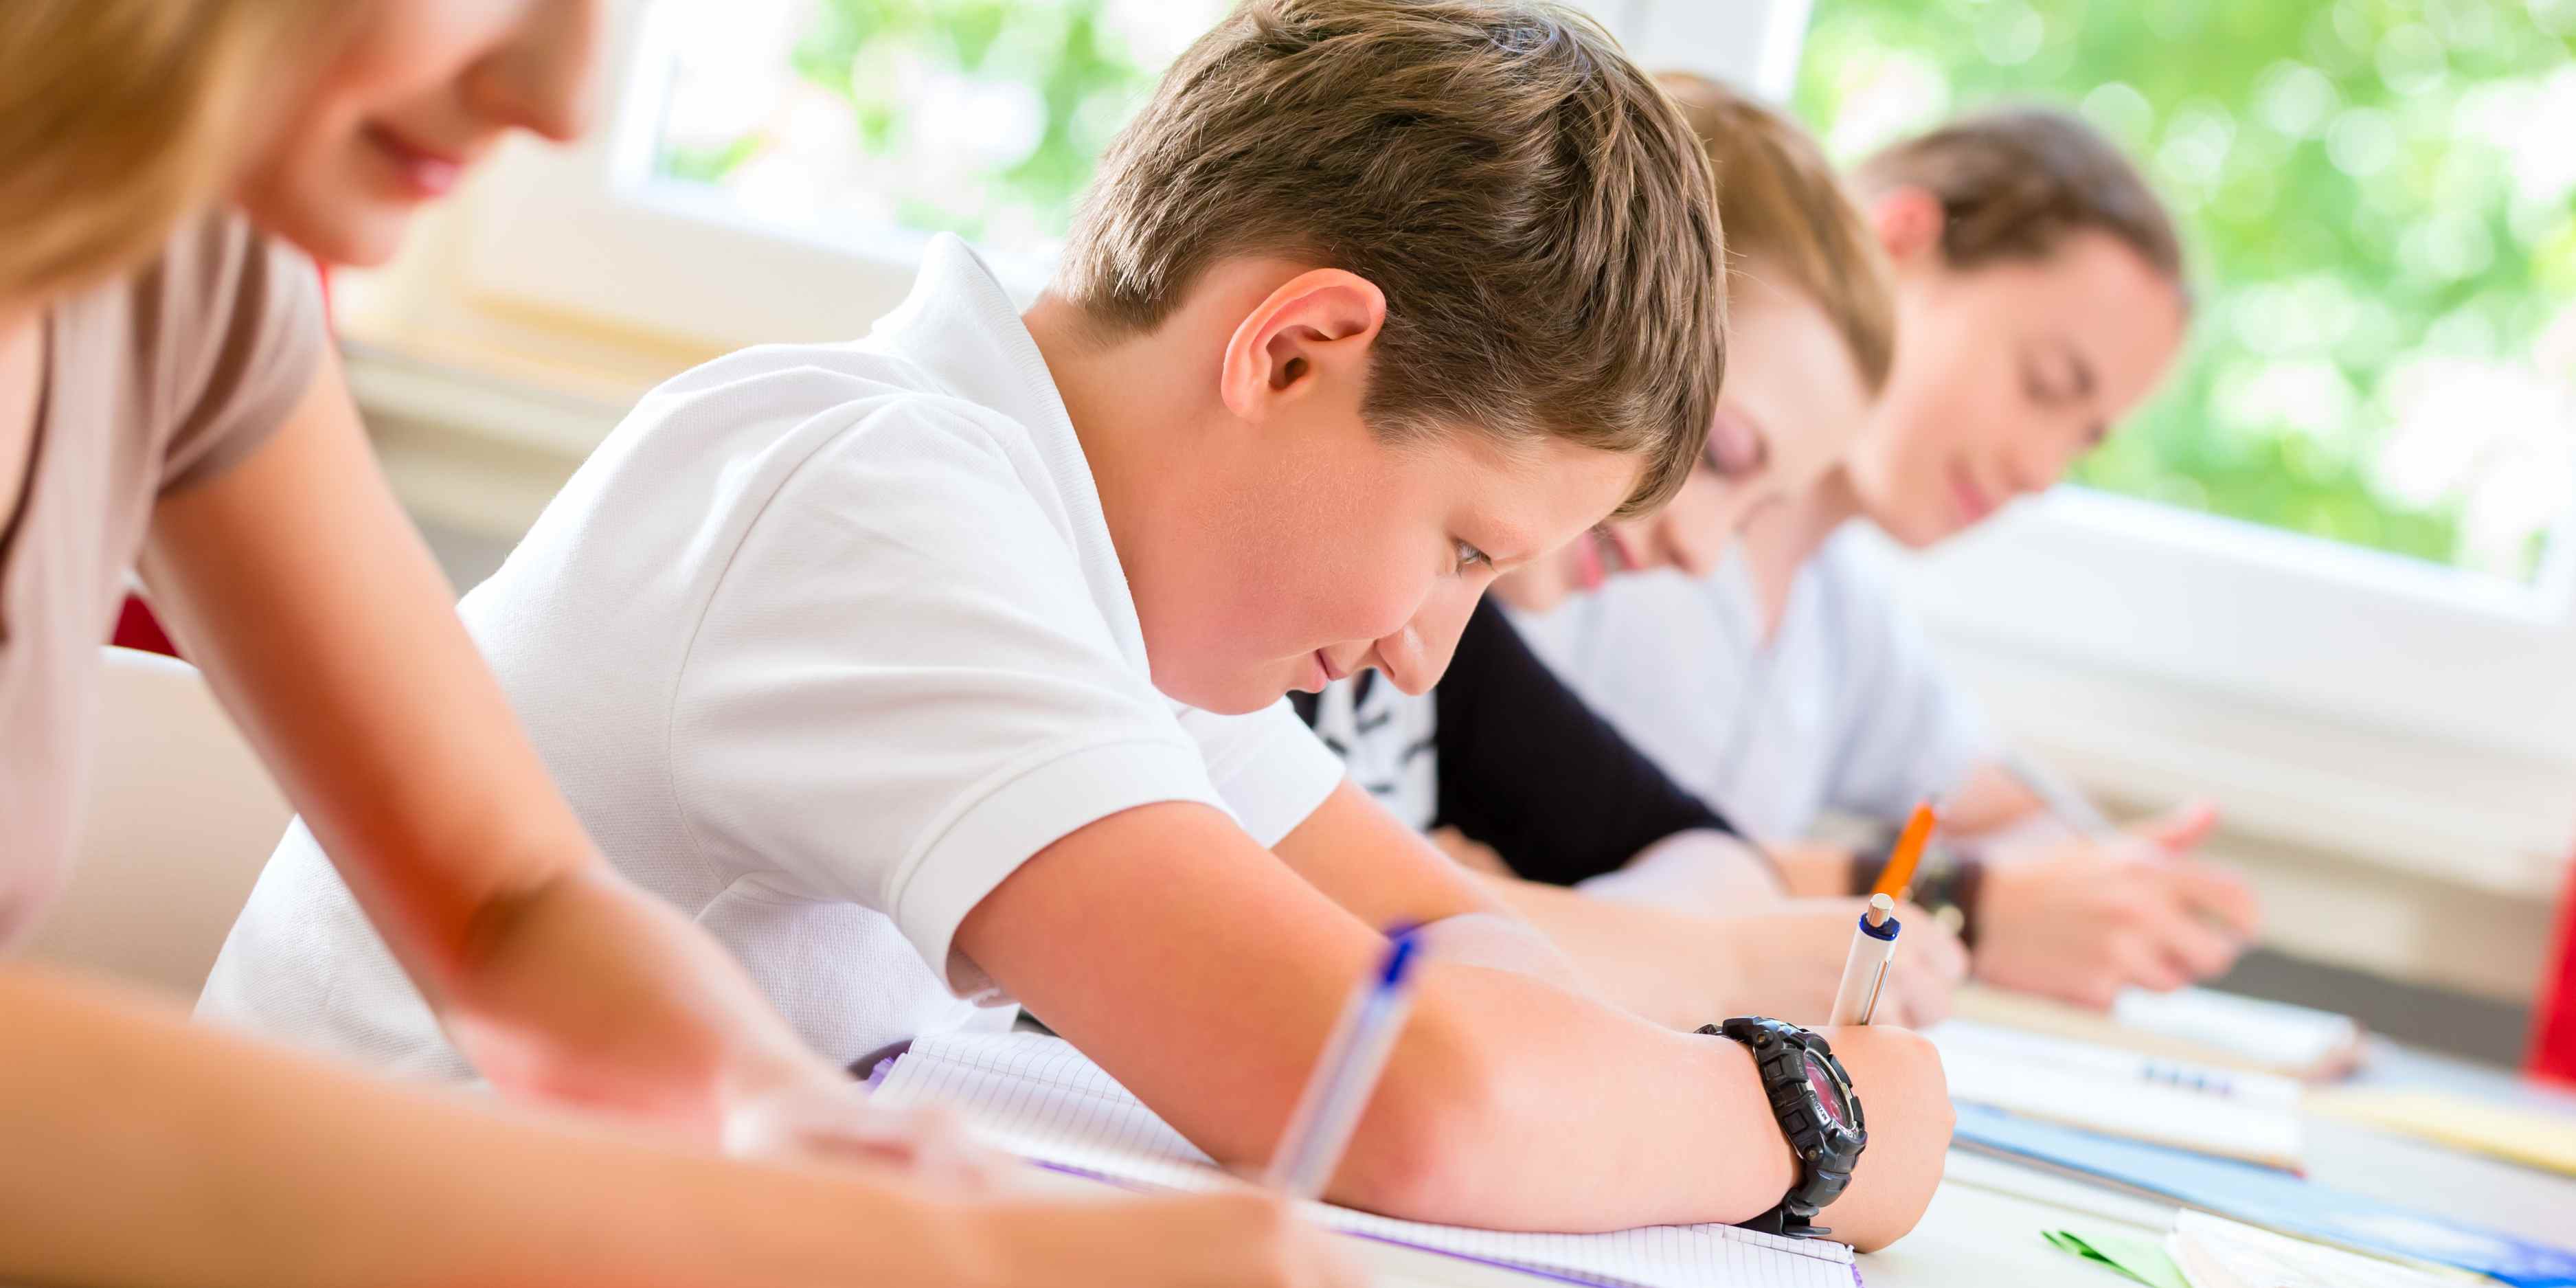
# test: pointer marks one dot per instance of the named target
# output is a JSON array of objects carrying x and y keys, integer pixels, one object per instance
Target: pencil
[{"x": 1909, "y": 851}]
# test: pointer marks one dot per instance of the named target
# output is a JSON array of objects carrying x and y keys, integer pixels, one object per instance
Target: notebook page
[
  {"x": 2253, "y": 1126},
  {"x": 1039, "y": 1098}
]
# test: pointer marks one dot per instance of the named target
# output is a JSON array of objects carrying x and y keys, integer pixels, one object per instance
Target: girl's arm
[
  {"x": 296, "y": 583},
  {"x": 138, "y": 1149}
]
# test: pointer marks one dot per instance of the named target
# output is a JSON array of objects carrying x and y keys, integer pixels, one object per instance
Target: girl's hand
[{"x": 2084, "y": 923}]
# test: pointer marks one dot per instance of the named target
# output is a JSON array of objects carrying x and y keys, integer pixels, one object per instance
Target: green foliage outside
[
  {"x": 2345, "y": 176},
  {"x": 1085, "y": 79}
]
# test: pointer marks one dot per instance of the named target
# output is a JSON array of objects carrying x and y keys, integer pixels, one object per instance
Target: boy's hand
[
  {"x": 1235, "y": 1238},
  {"x": 2081, "y": 925},
  {"x": 1790, "y": 962},
  {"x": 1897, "y": 1076}
]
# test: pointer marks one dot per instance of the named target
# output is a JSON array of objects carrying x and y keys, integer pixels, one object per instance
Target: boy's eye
[{"x": 1470, "y": 558}]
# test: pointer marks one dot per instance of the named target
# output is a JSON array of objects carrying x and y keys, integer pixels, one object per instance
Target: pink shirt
[{"x": 153, "y": 382}]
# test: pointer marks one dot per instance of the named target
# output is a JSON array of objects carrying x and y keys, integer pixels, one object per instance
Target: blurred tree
[
  {"x": 997, "y": 109},
  {"x": 2368, "y": 187}
]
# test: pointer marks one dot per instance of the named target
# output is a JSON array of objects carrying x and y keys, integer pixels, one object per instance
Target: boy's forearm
[
  {"x": 1505, "y": 1088},
  {"x": 137, "y": 1149},
  {"x": 1509, "y": 1101}
]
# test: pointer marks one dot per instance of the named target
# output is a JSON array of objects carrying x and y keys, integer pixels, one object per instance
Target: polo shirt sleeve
[
  {"x": 901, "y": 687},
  {"x": 1271, "y": 770},
  {"x": 1908, "y": 731}
]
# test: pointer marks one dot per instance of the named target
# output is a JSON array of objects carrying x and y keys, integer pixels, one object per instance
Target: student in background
[
  {"x": 2039, "y": 298},
  {"x": 943, "y": 669},
  {"x": 1503, "y": 756},
  {"x": 167, "y": 392}
]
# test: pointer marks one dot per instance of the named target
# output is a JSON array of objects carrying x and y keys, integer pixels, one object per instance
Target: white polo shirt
[
  {"x": 822, "y": 644},
  {"x": 1844, "y": 709}
]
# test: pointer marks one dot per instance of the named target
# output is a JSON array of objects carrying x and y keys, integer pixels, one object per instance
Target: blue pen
[{"x": 1346, "y": 1076}]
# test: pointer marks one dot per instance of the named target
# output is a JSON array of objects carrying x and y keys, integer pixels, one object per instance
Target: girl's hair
[
  {"x": 1785, "y": 212},
  {"x": 119, "y": 118},
  {"x": 2016, "y": 183}
]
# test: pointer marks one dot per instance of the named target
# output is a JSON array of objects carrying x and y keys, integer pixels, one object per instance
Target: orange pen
[{"x": 1909, "y": 851}]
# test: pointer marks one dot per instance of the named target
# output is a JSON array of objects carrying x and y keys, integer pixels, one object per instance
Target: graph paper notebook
[{"x": 1039, "y": 1098}]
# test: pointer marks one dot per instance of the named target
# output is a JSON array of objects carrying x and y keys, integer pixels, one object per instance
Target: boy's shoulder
[
  {"x": 952, "y": 362},
  {"x": 821, "y": 384}
]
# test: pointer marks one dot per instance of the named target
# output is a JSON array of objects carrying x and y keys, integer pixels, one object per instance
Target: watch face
[{"x": 1827, "y": 1093}]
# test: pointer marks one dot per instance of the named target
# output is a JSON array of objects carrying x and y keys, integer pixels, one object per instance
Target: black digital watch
[{"x": 1812, "y": 1097}]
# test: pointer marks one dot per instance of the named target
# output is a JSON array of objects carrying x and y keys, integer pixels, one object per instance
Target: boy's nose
[{"x": 1417, "y": 655}]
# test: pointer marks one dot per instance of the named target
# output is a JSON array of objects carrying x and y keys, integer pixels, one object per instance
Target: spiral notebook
[{"x": 1039, "y": 1098}]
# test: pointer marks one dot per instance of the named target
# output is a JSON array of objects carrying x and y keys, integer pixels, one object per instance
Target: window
[
  {"x": 2381, "y": 200},
  {"x": 770, "y": 168},
  {"x": 846, "y": 117}
]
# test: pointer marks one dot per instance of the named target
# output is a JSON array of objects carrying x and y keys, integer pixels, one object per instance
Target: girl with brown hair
[{"x": 2039, "y": 296}]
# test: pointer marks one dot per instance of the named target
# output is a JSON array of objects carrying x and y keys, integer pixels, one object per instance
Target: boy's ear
[
  {"x": 1909, "y": 222},
  {"x": 1318, "y": 321}
]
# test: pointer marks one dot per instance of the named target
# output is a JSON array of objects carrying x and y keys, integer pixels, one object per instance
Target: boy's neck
[
  {"x": 1781, "y": 540},
  {"x": 1117, "y": 398}
]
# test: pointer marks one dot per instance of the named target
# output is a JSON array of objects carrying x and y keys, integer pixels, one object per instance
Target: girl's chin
[{"x": 358, "y": 233}]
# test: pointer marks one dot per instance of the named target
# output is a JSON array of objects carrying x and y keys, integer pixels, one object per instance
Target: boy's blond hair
[
  {"x": 119, "y": 118},
  {"x": 1534, "y": 208},
  {"x": 1789, "y": 219}
]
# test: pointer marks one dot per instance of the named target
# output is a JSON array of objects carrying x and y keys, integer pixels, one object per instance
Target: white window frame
[{"x": 2264, "y": 635}]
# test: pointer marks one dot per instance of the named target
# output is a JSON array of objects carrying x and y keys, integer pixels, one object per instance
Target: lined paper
[{"x": 1039, "y": 1098}]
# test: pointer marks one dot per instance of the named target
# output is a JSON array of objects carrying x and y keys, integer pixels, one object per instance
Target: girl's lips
[
  {"x": 1324, "y": 662},
  {"x": 424, "y": 175},
  {"x": 1974, "y": 503}
]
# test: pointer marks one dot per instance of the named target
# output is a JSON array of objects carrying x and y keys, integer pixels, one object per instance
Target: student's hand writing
[
  {"x": 2082, "y": 924},
  {"x": 1790, "y": 962},
  {"x": 832, "y": 1121},
  {"x": 2173, "y": 834},
  {"x": 1906, "y": 1100},
  {"x": 1237, "y": 1238}
]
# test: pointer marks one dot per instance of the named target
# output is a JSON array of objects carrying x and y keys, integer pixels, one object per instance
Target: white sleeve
[
  {"x": 1908, "y": 731},
  {"x": 901, "y": 688},
  {"x": 1271, "y": 769}
]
